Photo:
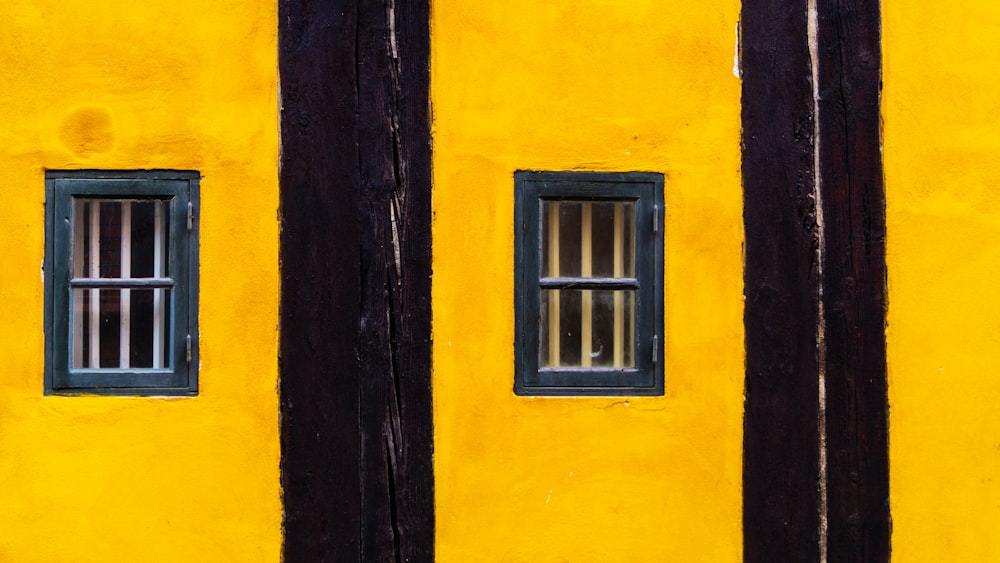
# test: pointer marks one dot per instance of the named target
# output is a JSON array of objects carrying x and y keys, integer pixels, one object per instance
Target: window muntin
[
  {"x": 588, "y": 286},
  {"x": 121, "y": 282}
]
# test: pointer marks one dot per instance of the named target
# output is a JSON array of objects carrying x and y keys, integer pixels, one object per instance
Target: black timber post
[
  {"x": 854, "y": 279},
  {"x": 815, "y": 480},
  {"x": 356, "y": 426},
  {"x": 781, "y": 280}
]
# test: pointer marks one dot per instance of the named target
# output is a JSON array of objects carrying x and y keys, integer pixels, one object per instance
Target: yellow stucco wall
[
  {"x": 642, "y": 85},
  {"x": 185, "y": 84},
  {"x": 941, "y": 109}
]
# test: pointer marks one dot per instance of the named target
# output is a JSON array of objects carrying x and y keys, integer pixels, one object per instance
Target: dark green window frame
[
  {"x": 177, "y": 193},
  {"x": 644, "y": 191}
]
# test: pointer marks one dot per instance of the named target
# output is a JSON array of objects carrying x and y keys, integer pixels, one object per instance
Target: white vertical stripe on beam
[{"x": 813, "y": 36}]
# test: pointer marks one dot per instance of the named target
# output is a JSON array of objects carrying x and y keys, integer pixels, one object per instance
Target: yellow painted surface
[
  {"x": 185, "y": 84},
  {"x": 941, "y": 107},
  {"x": 643, "y": 85}
]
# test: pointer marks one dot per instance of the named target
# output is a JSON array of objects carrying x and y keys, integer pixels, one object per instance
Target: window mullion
[
  {"x": 125, "y": 318},
  {"x": 554, "y": 330},
  {"x": 619, "y": 297},
  {"x": 79, "y": 208},
  {"x": 586, "y": 295},
  {"x": 158, "y": 225},
  {"x": 95, "y": 294}
]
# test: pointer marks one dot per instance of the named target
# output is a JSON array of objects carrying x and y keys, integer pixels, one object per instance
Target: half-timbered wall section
[
  {"x": 565, "y": 85},
  {"x": 672, "y": 294},
  {"x": 102, "y": 89}
]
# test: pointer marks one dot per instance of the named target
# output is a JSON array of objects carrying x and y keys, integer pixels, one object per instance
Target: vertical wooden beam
[
  {"x": 320, "y": 282},
  {"x": 320, "y": 288},
  {"x": 357, "y": 472},
  {"x": 781, "y": 444},
  {"x": 815, "y": 466},
  {"x": 854, "y": 276},
  {"x": 395, "y": 164}
]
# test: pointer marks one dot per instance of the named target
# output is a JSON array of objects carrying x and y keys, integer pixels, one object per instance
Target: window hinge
[
  {"x": 656, "y": 218},
  {"x": 190, "y": 216},
  {"x": 187, "y": 349},
  {"x": 656, "y": 341}
]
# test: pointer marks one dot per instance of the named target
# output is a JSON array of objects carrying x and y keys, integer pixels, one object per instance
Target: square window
[
  {"x": 121, "y": 280},
  {"x": 588, "y": 291}
]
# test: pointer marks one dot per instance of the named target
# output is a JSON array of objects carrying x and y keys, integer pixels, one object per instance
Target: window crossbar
[
  {"x": 117, "y": 283},
  {"x": 119, "y": 371},
  {"x": 588, "y": 283}
]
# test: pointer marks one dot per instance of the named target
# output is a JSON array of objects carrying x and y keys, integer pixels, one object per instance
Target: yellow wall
[
  {"x": 643, "y": 85},
  {"x": 941, "y": 108},
  {"x": 185, "y": 84}
]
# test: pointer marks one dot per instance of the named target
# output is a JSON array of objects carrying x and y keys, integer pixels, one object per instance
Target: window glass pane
[
  {"x": 149, "y": 239},
  {"x": 150, "y": 334},
  {"x": 121, "y": 328},
  {"x": 586, "y": 328},
  {"x": 587, "y": 239},
  {"x": 120, "y": 238}
]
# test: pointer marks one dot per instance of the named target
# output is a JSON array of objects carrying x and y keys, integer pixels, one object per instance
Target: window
[
  {"x": 588, "y": 283},
  {"x": 121, "y": 282}
]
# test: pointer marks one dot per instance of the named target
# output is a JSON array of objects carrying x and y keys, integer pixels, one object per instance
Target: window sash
[
  {"x": 644, "y": 192},
  {"x": 173, "y": 373}
]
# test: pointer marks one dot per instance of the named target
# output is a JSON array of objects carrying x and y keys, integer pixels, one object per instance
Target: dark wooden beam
[
  {"x": 854, "y": 279},
  {"x": 396, "y": 422},
  {"x": 357, "y": 473},
  {"x": 791, "y": 139},
  {"x": 780, "y": 467},
  {"x": 320, "y": 254}
]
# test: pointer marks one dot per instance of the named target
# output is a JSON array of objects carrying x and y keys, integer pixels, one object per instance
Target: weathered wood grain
[
  {"x": 780, "y": 468},
  {"x": 785, "y": 321},
  {"x": 357, "y": 474},
  {"x": 854, "y": 279}
]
